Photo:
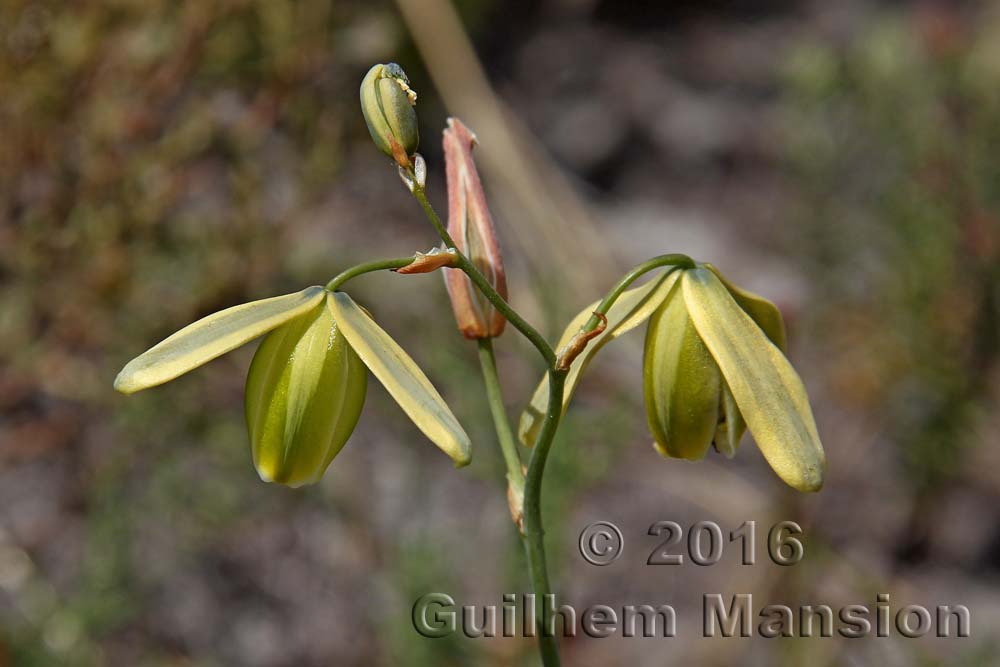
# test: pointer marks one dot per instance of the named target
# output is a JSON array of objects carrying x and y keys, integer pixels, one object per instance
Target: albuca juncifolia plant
[{"x": 714, "y": 363}]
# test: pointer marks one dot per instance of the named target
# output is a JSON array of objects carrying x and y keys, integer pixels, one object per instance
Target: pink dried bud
[{"x": 471, "y": 227}]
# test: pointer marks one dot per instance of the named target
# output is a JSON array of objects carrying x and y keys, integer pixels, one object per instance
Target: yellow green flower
[
  {"x": 306, "y": 384},
  {"x": 304, "y": 394},
  {"x": 714, "y": 366}
]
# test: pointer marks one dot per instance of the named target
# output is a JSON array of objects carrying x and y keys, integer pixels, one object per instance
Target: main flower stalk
[{"x": 533, "y": 532}]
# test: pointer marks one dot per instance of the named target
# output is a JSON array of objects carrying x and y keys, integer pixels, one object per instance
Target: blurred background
[{"x": 161, "y": 160}]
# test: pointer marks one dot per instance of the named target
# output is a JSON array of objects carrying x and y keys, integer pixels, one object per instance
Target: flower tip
[
  {"x": 685, "y": 454},
  {"x": 815, "y": 488},
  {"x": 272, "y": 474},
  {"x": 806, "y": 477},
  {"x": 461, "y": 130},
  {"x": 460, "y": 450},
  {"x": 127, "y": 382},
  {"x": 811, "y": 480}
]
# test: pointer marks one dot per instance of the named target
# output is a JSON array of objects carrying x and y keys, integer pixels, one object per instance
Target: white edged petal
[
  {"x": 402, "y": 378},
  {"x": 211, "y": 337},
  {"x": 768, "y": 391}
]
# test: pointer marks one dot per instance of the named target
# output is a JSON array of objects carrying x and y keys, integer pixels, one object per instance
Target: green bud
[
  {"x": 304, "y": 394},
  {"x": 387, "y": 103}
]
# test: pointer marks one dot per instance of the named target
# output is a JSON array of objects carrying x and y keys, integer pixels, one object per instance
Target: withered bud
[
  {"x": 471, "y": 227},
  {"x": 430, "y": 261},
  {"x": 576, "y": 344}
]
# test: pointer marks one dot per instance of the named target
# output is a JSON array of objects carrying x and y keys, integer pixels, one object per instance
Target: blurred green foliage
[
  {"x": 893, "y": 139},
  {"x": 155, "y": 158}
]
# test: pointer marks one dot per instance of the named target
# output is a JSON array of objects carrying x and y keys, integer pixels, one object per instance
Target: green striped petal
[
  {"x": 304, "y": 395},
  {"x": 766, "y": 388},
  {"x": 681, "y": 383},
  {"x": 402, "y": 378},
  {"x": 768, "y": 317},
  {"x": 763, "y": 312},
  {"x": 211, "y": 337},
  {"x": 372, "y": 109},
  {"x": 632, "y": 308}
]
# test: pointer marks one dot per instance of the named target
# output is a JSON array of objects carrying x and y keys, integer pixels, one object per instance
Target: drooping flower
[
  {"x": 713, "y": 367},
  {"x": 306, "y": 384},
  {"x": 471, "y": 227},
  {"x": 682, "y": 383}
]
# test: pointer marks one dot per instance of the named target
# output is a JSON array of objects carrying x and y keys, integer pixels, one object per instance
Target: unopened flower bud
[
  {"x": 304, "y": 394},
  {"x": 387, "y": 103},
  {"x": 471, "y": 227}
]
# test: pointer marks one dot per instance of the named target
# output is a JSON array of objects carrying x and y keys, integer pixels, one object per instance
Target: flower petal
[
  {"x": 402, "y": 378},
  {"x": 731, "y": 425},
  {"x": 767, "y": 389},
  {"x": 681, "y": 383},
  {"x": 304, "y": 394},
  {"x": 763, "y": 312},
  {"x": 631, "y": 309},
  {"x": 211, "y": 337}
]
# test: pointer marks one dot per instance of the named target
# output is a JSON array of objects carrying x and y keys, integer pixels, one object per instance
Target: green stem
[
  {"x": 487, "y": 359},
  {"x": 480, "y": 281},
  {"x": 534, "y": 542},
  {"x": 367, "y": 267},
  {"x": 534, "y": 533},
  {"x": 673, "y": 259}
]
